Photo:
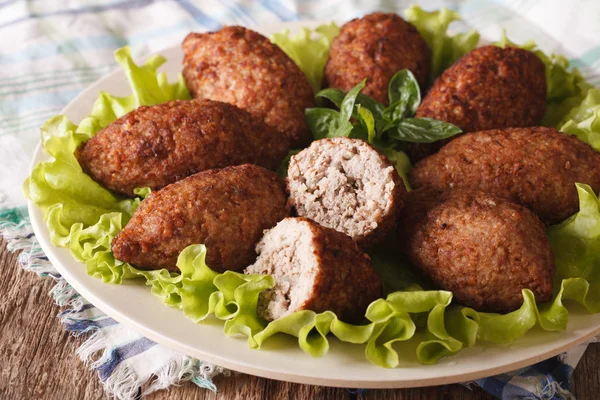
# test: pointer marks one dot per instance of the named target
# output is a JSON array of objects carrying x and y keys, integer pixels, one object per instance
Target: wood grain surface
[{"x": 38, "y": 359}]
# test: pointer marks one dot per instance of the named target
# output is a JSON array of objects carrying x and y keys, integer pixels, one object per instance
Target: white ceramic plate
[{"x": 345, "y": 365}]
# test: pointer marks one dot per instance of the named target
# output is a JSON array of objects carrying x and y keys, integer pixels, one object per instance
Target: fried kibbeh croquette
[
  {"x": 535, "y": 167},
  {"x": 488, "y": 88},
  {"x": 227, "y": 210},
  {"x": 347, "y": 185},
  {"x": 482, "y": 248},
  {"x": 161, "y": 144},
  {"x": 315, "y": 268},
  {"x": 242, "y": 67},
  {"x": 375, "y": 47}
]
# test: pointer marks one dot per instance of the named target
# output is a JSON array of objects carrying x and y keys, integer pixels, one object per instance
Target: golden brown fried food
[
  {"x": 226, "y": 210},
  {"x": 315, "y": 268},
  {"x": 488, "y": 88},
  {"x": 483, "y": 248},
  {"x": 535, "y": 167},
  {"x": 375, "y": 47},
  {"x": 239, "y": 66},
  {"x": 158, "y": 145}
]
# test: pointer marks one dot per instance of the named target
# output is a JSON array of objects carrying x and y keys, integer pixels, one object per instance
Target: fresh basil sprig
[
  {"x": 384, "y": 127},
  {"x": 404, "y": 95},
  {"x": 422, "y": 130},
  {"x": 325, "y": 122},
  {"x": 336, "y": 96}
]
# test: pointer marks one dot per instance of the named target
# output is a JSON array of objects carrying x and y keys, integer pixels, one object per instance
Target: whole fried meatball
[
  {"x": 482, "y": 248},
  {"x": 375, "y": 47},
  {"x": 226, "y": 210},
  {"x": 158, "y": 145},
  {"x": 315, "y": 268},
  {"x": 347, "y": 185},
  {"x": 242, "y": 67},
  {"x": 535, "y": 167},
  {"x": 488, "y": 88}
]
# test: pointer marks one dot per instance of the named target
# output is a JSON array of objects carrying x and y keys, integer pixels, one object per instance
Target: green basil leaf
[
  {"x": 422, "y": 130},
  {"x": 321, "y": 121},
  {"x": 401, "y": 162},
  {"x": 359, "y": 132},
  {"x": 347, "y": 106},
  {"x": 370, "y": 104},
  {"x": 366, "y": 119},
  {"x": 336, "y": 96},
  {"x": 404, "y": 95},
  {"x": 395, "y": 112},
  {"x": 340, "y": 128}
]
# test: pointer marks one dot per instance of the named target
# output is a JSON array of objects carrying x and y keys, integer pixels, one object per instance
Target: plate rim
[{"x": 42, "y": 234}]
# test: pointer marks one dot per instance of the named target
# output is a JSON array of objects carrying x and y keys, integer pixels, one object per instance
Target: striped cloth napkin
[{"x": 50, "y": 51}]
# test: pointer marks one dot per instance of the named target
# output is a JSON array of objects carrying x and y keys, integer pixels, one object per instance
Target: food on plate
[
  {"x": 375, "y": 47},
  {"x": 161, "y": 144},
  {"x": 482, "y": 248},
  {"x": 239, "y": 66},
  {"x": 535, "y": 167},
  {"x": 347, "y": 185},
  {"x": 315, "y": 268},
  {"x": 489, "y": 88},
  {"x": 226, "y": 210},
  {"x": 84, "y": 217}
]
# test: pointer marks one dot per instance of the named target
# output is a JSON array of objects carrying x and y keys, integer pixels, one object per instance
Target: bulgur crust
[
  {"x": 158, "y": 145},
  {"x": 535, "y": 167},
  {"x": 375, "y": 47},
  {"x": 242, "y": 67},
  {"x": 482, "y": 248},
  {"x": 226, "y": 210},
  {"x": 488, "y": 88}
]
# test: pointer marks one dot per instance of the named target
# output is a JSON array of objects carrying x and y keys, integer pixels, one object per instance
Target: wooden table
[{"x": 38, "y": 360}]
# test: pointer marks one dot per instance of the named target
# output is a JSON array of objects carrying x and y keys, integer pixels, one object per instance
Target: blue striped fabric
[{"x": 51, "y": 50}]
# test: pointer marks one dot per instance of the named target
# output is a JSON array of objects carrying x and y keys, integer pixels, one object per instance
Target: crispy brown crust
[
  {"x": 239, "y": 66},
  {"x": 386, "y": 222},
  {"x": 375, "y": 47},
  {"x": 158, "y": 145},
  {"x": 481, "y": 247},
  {"x": 226, "y": 210},
  {"x": 346, "y": 282},
  {"x": 535, "y": 167},
  {"x": 488, "y": 88}
]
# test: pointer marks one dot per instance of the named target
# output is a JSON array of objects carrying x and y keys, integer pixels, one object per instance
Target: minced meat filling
[
  {"x": 285, "y": 253},
  {"x": 344, "y": 187}
]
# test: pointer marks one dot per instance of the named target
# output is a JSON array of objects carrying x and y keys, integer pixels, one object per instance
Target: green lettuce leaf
[
  {"x": 576, "y": 246},
  {"x": 148, "y": 88},
  {"x": 448, "y": 328},
  {"x": 445, "y": 49},
  {"x": 80, "y": 213},
  {"x": 309, "y": 54},
  {"x": 199, "y": 292},
  {"x": 583, "y": 120}
]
